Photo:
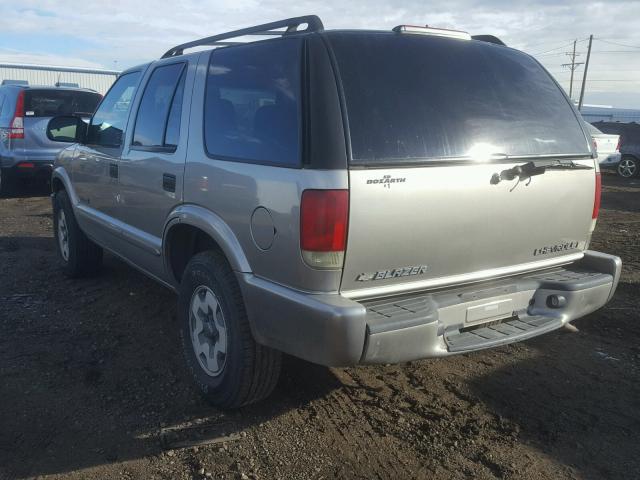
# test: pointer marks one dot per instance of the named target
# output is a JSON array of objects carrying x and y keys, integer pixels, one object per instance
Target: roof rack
[{"x": 313, "y": 22}]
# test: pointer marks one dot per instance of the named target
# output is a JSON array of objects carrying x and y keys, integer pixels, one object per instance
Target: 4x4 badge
[{"x": 386, "y": 181}]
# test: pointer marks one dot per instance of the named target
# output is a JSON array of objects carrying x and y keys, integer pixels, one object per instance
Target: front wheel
[
  {"x": 228, "y": 365},
  {"x": 628, "y": 167}
]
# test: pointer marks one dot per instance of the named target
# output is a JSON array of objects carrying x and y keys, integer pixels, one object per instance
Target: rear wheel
[
  {"x": 80, "y": 256},
  {"x": 6, "y": 183},
  {"x": 228, "y": 365},
  {"x": 628, "y": 167}
]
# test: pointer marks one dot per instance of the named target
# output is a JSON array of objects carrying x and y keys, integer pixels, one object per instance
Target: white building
[{"x": 95, "y": 79}]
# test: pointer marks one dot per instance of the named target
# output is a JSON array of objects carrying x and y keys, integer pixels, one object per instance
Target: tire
[
  {"x": 236, "y": 371},
  {"x": 80, "y": 256},
  {"x": 628, "y": 167},
  {"x": 7, "y": 187}
]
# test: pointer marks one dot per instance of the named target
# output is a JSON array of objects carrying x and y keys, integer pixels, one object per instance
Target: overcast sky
[{"x": 119, "y": 33}]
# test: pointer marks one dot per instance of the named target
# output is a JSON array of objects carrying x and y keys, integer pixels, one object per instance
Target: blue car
[{"x": 25, "y": 150}]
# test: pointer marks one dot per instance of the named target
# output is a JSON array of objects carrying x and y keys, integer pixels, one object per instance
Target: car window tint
[
  {"x": 172, "y": 135},
  {"x": 413, "y": 98},
  {"x": 252, "y": 102},
  {"x": 110, "y": 120},
  {"x": 155, "y": 105},
  {"x": 49, "y": 103}
]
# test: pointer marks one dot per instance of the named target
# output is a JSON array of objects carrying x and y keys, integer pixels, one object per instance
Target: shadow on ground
[{"x": 90, "y": 371}]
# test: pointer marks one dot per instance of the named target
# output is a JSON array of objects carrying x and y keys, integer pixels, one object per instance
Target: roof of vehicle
[{"x": 310, "y": 24}]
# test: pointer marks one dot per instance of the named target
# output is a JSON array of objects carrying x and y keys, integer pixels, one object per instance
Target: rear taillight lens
[
  {"x": 16, "y": 129},
  {"x": 619, "y": 144},
  {"x": 323, "y": 227},
  {"x": 596, "y": 198}
]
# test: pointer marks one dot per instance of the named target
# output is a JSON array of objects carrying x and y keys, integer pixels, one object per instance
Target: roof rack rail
[{"x": 313, "y": 22}]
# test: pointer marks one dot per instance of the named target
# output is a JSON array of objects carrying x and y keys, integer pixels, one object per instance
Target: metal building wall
[{"x": 98, "y": 80}]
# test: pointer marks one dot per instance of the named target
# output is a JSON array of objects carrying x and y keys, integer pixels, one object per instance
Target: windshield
[
  {"x": 49, "y": 103},
  {"x": 411, "y": 98}
]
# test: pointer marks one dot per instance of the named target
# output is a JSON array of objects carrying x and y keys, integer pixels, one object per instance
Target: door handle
[
  {"x": 113, "y": 170},
  {"x": 169, "y": 182}
]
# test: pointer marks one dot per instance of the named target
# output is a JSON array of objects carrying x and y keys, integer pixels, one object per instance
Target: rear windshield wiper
[{"x": 531, "y": 169}]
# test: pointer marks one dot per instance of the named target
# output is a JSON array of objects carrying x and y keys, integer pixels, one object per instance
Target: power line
[
  {"x": 616, "y": 43},
  {"x": 617, "y": 51},
  {"x": 558, "y": 48},
  {"x": 549, "y": 41}
]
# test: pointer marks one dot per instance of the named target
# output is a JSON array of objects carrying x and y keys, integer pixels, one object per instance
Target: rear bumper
[
  {"x": 28, "y": 169},
  {"x": 332, "y": 330},
  {"x": 609, "y": 161}
]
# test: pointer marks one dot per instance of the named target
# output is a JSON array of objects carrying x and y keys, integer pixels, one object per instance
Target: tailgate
[
  {"x": 431, "y": 226},
  {"x": 429, "y": 133}
]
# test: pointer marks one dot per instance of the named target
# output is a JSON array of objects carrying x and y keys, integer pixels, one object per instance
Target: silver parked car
[
  {"x": 25, "y": 150},
  {"x": 346, "y": 197},
  {"x": 607, "y": 147}
]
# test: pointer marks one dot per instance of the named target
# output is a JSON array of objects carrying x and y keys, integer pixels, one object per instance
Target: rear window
[
  {"x": 410, "y": 98},
  {"x": 49, "y": 103},
  {"x": 252, "y": 103}
]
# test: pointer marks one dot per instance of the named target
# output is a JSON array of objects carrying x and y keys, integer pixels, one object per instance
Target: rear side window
[
  {"x": 411, "y": 98},
  {"x": 252, "y": 103},
  {"x": 160, "y": 108},
  {"x": 110, "y": 120},
  {"x": 49, "y": 103}
]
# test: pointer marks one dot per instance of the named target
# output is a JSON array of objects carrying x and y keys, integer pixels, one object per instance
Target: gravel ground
[{"x": 92, "y": 385}]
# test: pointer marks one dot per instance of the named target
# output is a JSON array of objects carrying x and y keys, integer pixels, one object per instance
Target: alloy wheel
[
  {"x": 208, "y": 331},
  {"x": 63, "y": 235},
  {"x": 627, "y": 167}
]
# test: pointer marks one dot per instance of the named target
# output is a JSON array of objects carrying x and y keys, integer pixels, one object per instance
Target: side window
[
  {"x": 172, "y": 135},
  {"x": 158, "y": 121},
  {"x": 252, "y": 103},
  {"x": 109, "y": 121}
]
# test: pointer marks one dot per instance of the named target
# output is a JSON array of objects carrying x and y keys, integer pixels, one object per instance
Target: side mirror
[{"x": 67, "y": 129}]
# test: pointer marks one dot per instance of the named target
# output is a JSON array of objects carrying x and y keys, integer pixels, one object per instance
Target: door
[
  {"x": 95, "y": 169},
  {"x": 152, "y": 164}
]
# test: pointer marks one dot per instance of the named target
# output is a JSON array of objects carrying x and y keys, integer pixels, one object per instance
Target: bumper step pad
[{"x": 500, "y": 334}]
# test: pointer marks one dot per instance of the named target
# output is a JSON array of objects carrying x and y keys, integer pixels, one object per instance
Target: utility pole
[
  {"x": 584, "y": 76},
  {"x": 573, "y": 65}
]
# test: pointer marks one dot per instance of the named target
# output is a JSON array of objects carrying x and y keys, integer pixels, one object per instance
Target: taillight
[
  {"x": 16, "y": 129},
  {"x": 596, "y": 198},
  {"x": 619, "y": 143},
  {"x": 323, "y": 227}
]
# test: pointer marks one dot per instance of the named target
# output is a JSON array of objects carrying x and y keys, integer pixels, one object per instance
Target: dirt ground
[{"x": 92, "y": 385}]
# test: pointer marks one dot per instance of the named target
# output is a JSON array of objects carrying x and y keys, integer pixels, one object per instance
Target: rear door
[
  {"x": 40, "y": 105},
  {"x": 437, "y": 126}
]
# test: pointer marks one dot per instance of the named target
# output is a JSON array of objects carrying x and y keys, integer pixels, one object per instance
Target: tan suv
[{"x": 347, "y": 197}]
